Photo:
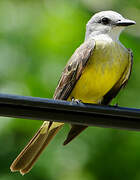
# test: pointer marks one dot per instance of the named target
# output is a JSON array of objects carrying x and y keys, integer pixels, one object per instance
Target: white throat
[{"x": 112, "y": 34}]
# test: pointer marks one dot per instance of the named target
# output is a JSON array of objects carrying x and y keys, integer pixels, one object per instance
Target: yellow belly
[{"x": 104, "y": 68}]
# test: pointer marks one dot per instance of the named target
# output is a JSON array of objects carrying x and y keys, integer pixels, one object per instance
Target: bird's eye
[{"x": 105, "y": 21}]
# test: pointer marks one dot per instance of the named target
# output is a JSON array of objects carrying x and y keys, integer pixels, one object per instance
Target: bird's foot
[
  {"x": 116, "y": 105},
  {"x": 76, "y": 101}
]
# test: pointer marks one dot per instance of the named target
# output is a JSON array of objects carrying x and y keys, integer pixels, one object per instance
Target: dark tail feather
[{"x": 75, "y": 131}]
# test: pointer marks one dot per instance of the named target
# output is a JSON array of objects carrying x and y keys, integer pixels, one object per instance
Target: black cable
[{"x": 63, "y": 111}]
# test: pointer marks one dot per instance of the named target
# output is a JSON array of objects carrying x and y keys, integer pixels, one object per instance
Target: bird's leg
[
  {"x": 76, "y": 101},
  {"x": 116, "y": 105}
]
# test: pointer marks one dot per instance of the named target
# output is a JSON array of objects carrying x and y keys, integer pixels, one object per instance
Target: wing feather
[
  {"x": 121, "y": 83},
  {"x": 74, "y": 69}
]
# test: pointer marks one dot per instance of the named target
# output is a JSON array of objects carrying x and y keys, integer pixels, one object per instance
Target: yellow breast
[{"x": 104, "y": 68}]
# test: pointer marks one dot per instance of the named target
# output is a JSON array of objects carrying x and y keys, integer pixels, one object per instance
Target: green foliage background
[{"x": 36, "y": 40}]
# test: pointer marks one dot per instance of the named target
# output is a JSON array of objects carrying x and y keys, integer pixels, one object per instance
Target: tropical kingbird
[{"x": 95, "y": 73}]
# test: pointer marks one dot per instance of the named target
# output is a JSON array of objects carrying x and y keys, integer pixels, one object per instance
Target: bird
[{"x": 98, "y": 69}]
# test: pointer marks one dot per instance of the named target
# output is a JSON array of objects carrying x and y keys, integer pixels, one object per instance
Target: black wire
[{"x": 63, "y": 111}]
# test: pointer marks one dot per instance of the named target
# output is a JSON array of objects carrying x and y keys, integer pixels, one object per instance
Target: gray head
[{"x": 108, "y": 23}]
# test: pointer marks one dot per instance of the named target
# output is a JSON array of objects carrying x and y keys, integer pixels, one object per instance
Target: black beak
[{"x": 125, "y": 22}]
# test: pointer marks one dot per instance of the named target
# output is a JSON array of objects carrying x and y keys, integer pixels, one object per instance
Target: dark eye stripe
[{"x": 105, "y": 20}]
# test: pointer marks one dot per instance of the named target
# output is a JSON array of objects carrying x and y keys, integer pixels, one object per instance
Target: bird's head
[{"x": 107, "y": 23}]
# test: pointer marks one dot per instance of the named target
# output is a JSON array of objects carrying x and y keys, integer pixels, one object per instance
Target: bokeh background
[{"x": 36, "y": 40}]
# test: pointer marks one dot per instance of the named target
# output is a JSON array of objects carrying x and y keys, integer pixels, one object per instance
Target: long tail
[
  {"x": 28, "y": 156},
  {"x": 74, "y": 132}
]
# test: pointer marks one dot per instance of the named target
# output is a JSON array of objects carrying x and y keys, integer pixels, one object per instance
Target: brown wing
[
  {"x": 69, "y": 77},
  {"x": 74, "y": 69},
  {"x": 121, "y": 83}
]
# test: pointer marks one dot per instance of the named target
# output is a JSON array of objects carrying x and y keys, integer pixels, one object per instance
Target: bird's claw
[
  {"x": 116, "y": 105},
  {"x": 76, "y": 101}
]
